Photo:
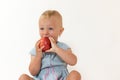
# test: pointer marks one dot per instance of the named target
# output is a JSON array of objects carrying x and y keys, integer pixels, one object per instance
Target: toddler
[{"x": 51, "y": 64}]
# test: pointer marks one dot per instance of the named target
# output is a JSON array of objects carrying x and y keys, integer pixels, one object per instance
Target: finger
[
  {"x": 52, "y": 39},
  {"x": 42, "y": 47},
  {"x": 47, "y": 51},
  {"x": 50, "y": 50},
  {"x": 37, "y": 43}
]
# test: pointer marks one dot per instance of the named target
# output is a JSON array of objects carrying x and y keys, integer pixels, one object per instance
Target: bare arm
[
  {"x": 65, "y": 55},
  {"x": 35, "y": 63}
]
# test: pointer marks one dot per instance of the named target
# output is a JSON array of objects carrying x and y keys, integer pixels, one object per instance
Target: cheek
[
  {"x": 53, "y": 34},
  {"x": 40, "y": 33}
]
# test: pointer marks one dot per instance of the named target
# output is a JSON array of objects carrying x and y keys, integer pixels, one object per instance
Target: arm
[
  {"x": 65, "y": 55},
  {"x": 35, "y": 63}
]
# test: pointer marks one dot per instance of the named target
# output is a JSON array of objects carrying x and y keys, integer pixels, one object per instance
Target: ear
[{"x": 61, "y": 31}]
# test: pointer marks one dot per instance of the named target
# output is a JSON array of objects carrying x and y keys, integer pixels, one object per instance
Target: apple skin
[{"x": 46, "y": 43}]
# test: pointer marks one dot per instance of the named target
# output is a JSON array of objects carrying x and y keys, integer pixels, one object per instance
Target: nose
[{"x": 46, "y": 33}]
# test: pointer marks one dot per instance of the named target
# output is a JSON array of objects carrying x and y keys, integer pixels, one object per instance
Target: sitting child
[{"x": 51, "y": 64}]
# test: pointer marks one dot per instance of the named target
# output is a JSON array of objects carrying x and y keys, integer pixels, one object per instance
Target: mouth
[
  {"x": 49, "y": 36},
  {"x": 46, "y": 36}
]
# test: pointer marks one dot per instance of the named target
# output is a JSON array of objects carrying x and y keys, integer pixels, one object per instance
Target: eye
[
  {"x": 41, "y": 28},
  {"x": 50, "y": 28}
]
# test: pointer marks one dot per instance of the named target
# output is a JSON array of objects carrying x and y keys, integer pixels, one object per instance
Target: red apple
[{"x": 46, "y": 43}]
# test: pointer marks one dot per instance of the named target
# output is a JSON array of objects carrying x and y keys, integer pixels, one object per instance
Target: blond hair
[{"x": 52, "y": 13}]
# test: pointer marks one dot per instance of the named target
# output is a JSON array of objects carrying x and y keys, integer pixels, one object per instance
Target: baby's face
[{"x": 50, "y": 27}]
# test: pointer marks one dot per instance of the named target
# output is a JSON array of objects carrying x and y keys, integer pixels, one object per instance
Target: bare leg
[
  {"x": 25, "y": 77},
  {"x": 74, "y": 75}
]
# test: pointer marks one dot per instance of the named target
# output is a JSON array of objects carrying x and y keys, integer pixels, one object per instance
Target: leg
[
  {"x": 25, "y": 77},
  {"x": 74, "y": 75}
]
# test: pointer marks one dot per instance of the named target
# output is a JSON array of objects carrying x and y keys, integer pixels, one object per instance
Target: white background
[{"x": 92, "y": 29}]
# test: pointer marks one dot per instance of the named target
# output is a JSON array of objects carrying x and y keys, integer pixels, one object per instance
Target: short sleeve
[
  {"x": 63, "y": 45},
  {"x": 32, "y": 51}
]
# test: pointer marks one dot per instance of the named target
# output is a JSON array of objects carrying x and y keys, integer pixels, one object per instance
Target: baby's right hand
[{"x": 38, "y": 49}]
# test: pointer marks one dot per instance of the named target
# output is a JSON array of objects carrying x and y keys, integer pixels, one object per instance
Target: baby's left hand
[{"x": 53, "y": 45}]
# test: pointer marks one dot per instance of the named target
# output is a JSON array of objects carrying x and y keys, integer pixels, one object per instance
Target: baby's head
[
  {"x": 50, "y": 14},
  {"x": 50, "y": 24}
]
